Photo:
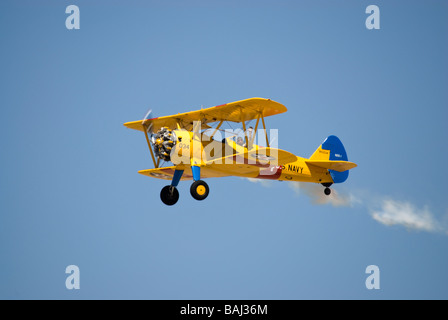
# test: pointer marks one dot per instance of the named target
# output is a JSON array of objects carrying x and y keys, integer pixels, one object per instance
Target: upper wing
[{"x": 237, "y": 111}]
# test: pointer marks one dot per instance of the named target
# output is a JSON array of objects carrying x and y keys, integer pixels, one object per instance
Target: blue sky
[{"x": 71, "y": 194}]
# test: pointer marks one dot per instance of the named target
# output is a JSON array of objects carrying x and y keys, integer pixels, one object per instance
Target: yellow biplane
[{"x": 187, "y": 141}]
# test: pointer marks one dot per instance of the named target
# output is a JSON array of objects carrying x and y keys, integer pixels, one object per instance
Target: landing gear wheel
[
  {"x": 169, "y": 195},
  {"x": 199, "y": 190},
  {"x": 327, "y": 191}
]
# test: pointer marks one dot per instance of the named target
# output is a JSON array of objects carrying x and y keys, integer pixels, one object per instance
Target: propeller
[{"x": 146, "y": 120}]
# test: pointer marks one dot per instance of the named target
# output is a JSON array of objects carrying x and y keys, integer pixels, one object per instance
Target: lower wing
[{"x": 167, "y": 173}]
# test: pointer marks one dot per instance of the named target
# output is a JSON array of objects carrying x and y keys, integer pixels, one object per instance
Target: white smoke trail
[
  {"x": 406, "y": 214},
  {"x": 316, "y": 193},
  {"x": 263, "y": 182},
  {"x": 388, "y": 212}
]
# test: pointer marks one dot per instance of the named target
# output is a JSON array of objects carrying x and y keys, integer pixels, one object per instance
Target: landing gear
[
  {"x": 169, "y": 195},
  {"x": 199, "y": 190},
  {"x": 327, "y": 189}
]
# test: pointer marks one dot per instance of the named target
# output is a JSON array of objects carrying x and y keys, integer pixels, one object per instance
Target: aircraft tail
[{"x": 331, "y": 155}]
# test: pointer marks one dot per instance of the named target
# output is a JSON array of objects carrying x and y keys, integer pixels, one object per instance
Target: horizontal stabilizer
[{"x": 335, "y": 165}]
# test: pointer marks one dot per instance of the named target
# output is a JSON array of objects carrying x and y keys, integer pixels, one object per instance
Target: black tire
[
  {"x": 327, "y": 191},
  {"x": 199, "y": 190},
  {"x": 169, "y": 195}
]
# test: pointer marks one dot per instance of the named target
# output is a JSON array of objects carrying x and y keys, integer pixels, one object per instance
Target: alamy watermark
[
  {"x": 73, "y": 20},
  {"x": 373, "y": 280},
  {"x": 73, "y": 280},
  {"x": 373, "y": 20}
]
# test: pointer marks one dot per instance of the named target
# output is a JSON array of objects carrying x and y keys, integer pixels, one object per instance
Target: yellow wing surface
[
  {"x": 207, "y": 171},
  {"x": 167, "y": 173},
  {"x": 238, "y": 111}
]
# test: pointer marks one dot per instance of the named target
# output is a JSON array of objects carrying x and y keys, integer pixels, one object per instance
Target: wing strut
[
  {"x": 217, "y": 128},
  {"x": 156, "y": 164},
  {"x": 255, "y": 131},
  {"x": 244, "y": 128},
  {"x": 265, "y": 131}
]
